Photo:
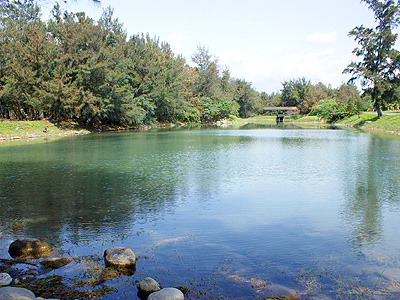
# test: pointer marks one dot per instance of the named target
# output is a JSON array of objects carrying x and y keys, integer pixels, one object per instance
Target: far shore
[{"x": 43, "y": 129}]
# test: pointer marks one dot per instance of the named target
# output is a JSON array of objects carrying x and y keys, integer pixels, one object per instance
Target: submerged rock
[
  {"x": 56, "y": 263},
  {"x": 29, "y": 249},
  {"x": 120, "y": 257},
  {"x": 167, "y": 294},
  {"x": 15, "y": 293},
  {"x": 147, "y": 286},
  {"x": 107, "y": 274},
  {"x": 5, "y": 279}
]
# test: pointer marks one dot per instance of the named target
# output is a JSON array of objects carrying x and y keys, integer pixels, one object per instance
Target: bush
[
  {"x": 331, "y": 111},
  {"x": 324, "y": 108}
]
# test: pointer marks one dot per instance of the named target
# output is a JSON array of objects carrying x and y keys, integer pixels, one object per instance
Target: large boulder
[
  {"x": 147, "y": 286},
  {"x": 56, "y": 263},
  {"x": 15, "y": 293},
  {"x": 29, "y": 249},
  {"x": 5, "y": 279},
  {"x": 167, "y": 294},
  {"x": 121, "y": 258}
]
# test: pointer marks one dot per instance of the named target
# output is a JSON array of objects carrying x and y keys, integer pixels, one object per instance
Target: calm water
[{"x": 243, "y": 214}]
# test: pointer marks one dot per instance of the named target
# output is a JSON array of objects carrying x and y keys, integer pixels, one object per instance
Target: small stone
[
  {"x": 107, "y": 274},
  {"x": 56, "y": 263},
  {"x": 29, "y": 248},
  {"x": 167, "y": 294},
  {"x": 5, "y": 279},
  {"x": 147, "y": 286},
  {"x": 120, "y": 257},
  {"x": 15, "y": 293}
]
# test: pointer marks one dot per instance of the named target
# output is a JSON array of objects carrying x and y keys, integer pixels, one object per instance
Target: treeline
[
  {"x": 72, "y": 67},
  {"x": 320, "y": 100}
]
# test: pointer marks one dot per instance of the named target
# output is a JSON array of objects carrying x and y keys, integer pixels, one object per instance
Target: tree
[
  {"x": 248, "y": 99},
  {"x": 21, "y": 33},
  {"x": 297, "y": 93},
  {"x": 207, "y": 83},
  {"x": 380, "y": 62}
]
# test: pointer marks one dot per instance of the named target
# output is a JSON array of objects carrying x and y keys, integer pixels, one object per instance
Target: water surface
[{"x": 243, "y": 214}]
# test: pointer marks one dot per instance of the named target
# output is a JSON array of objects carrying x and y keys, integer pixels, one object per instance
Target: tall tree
[
  {"x": 297, "y": 93},
  {"x": 20, "y": 30},
  {"x": 249, "y": 100},
  {"x": 380, "y": 62},
  {"x": 207, "y": 68}
]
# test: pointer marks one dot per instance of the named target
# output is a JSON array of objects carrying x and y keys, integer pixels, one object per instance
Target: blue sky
[{"x": 265, "y": 42}]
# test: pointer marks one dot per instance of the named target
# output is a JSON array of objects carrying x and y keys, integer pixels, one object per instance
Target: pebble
[{"x": 5, "y": 279}]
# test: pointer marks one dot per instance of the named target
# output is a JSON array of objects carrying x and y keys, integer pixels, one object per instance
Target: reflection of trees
[
  {"x": 371, "y": 182},
  {"x": 57, "y": 198},
  {"x": 104, "y": 184}
]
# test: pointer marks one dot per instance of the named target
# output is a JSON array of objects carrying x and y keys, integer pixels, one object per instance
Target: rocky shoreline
[
  {"x": 118, "y": 261},
  {"x": 41, "y": 256}
]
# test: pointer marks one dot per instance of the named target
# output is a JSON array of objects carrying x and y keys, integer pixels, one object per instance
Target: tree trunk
[
  {"x": 1, "y": 110},
  {"x": 378, "y": 111},
  {"x": 376, "y": 103}
]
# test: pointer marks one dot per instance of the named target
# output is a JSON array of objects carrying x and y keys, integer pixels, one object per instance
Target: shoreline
[{"x": 11, "y": 131}]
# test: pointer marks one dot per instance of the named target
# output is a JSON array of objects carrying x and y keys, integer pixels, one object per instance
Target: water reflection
[
  {"x": 372, "y": 185},
  {"x": 236, "y": 203}
]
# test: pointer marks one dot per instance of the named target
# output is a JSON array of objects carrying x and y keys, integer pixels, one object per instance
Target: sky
[{"x": 265, "y": 42}]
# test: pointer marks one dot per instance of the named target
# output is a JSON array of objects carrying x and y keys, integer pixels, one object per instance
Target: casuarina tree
[{"x": 378, "y": 67}]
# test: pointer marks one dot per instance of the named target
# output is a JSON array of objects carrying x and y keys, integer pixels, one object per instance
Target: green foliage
[
  {"x": 324, "y": 108},
  {"x": 214, "y": 109},
  {"x": 332, "y": 111},
  {"x": 73, "y": 67},
  {"x": 248, "y": 99},
  {"x": 379, "y": 61},
  {"x": 297, "y": 93}
]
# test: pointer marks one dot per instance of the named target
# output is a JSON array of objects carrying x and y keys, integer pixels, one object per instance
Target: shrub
[{"x": 324, "y": 108}]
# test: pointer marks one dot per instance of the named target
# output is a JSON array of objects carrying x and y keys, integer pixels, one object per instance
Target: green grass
[
  {"x": 389, "y": 122},
  {"x": 7, "y": 127},
  {"x": 13, "y": 130}
]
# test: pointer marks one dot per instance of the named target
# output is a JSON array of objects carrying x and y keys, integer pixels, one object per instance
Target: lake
[{"x": 235, "y": 214}]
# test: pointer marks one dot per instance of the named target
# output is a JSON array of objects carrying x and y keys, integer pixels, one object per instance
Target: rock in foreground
[
  {"x": 5, "y": 279},
  {"x": 15, "y": 293},
  {"x": 167, "y": 294},
  {"x": 120, "y": 257},
  {"x": 147, "y": 286},
  {"x": 107, "y": 274},
  {"x": 29, "y": 249},
  {"x": 56, "y": 263}
]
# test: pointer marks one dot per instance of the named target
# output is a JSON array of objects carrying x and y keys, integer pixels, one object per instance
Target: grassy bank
[
  {"x": 16, "y": 130},
  {"x": 368, "y": 121},
  {"x": 389, "y": 122}
]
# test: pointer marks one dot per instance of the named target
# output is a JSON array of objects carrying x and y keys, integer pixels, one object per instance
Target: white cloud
[
  {"x": 323, "y": 38},
  {"x": 267, "y": 68}
]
